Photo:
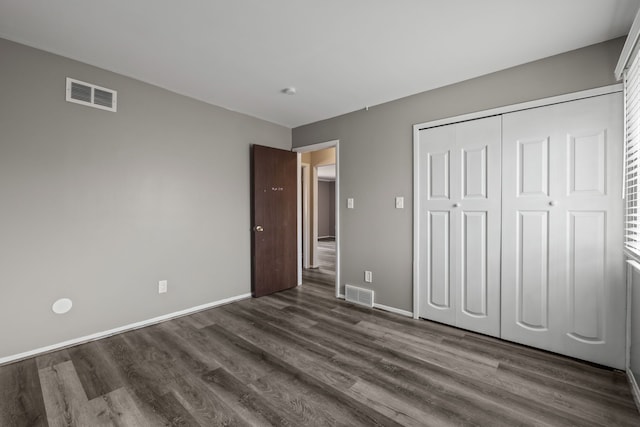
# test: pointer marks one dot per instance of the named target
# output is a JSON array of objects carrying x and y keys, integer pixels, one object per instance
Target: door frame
[
  {"x": 314, "y": 230},
  {"x": 417, "y": 206},
  {"x": 305, "y": 149},
  {"x": 303, "y": 228}
]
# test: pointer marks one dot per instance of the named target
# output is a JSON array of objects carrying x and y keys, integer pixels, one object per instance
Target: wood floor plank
[
  {"x": 392, "y": 337},
  {"x": 53, "y": 358},
  {"x": 379, "y": 386},
  {"x": 118, "y": 408},
  {"x": 297, "y": 355},
  {"x": 21, "y": 401},
  {"x": 298, "y": 298},
  {"x": 423, "y": 401},
  {"x": 330, "y": 384},
  {"x": 96, "y": 372},
  {"x": 311, "y": 406},
  {"x": 325, "y": 273},
  {"x": 152, "y": 397},
  {"x": 65, "y": 400},
  {"x": 206, "y": 407},
  {"x": 408, "y": 325},
  {"x": 370, "y": 356},
  {"x": 189, "y": 365},
  {"x": 248, "y": 403},
  {"x": 275, "y": 315},
  {"x": 480, "y": 382},
  {"x": 438, "y": 379},
  {"x": 214, "y": 341},
  {"x": 184, "y": 351},
  {"x": 282, "y": 335},
  {"x": 546, "y": 364},
  {"x": 321, "y": 317},
  {"x": 604, "y": 410}
]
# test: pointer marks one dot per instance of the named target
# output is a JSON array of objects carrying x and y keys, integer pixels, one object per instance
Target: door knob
[
  {"x": 456, "y": 205},
  {"x": 258, "y": 228},
  {"x": 553, "y": 203}
]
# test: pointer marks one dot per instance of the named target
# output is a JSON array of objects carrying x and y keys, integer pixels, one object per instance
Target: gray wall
[
  {"x": 376, "y": 157},
  {"x": 326, "y": 208},
  {"x": 99, "y": 206}
]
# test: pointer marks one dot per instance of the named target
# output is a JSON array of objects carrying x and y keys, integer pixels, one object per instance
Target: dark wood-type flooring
[
  {"x": 301, "y": 358},
  {"x": 326, "y": 271}
]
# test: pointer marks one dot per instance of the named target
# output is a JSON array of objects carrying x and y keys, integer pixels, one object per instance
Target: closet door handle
[
  {"x": 553, "y": 203},
  {"x": 456, "y": 205}
]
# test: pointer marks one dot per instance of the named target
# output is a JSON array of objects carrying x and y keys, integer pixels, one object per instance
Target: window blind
[{"x": 632, "y": 153}]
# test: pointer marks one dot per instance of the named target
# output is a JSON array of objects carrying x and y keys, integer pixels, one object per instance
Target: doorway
[{"x": 318, "y": 214}]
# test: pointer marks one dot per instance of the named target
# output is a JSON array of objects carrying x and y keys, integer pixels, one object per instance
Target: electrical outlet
[
  {"x": 368, "y": 276},
  {"x": 162, "y": 286}
]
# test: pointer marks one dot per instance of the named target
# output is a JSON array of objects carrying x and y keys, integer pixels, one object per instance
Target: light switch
[
  {"x": 399, "y": 202},
  {"x": 350, "y": 203},
  {"x": 162, "y": 286}
]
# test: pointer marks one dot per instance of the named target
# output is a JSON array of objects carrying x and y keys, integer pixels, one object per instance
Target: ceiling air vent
[{"x": 91, "y": 95}]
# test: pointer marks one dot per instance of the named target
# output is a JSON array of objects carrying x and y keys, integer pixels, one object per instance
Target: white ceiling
[{"x": 340, "y": 55}]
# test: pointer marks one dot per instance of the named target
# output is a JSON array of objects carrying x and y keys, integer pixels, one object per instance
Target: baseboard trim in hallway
[{"x": 126, "y": 328}]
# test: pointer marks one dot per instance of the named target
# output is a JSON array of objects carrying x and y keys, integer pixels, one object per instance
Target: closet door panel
[
  {"x": 460, "y": 225},
  {"x": 474, "y": 264},
  {"x": 478, "y": 292},
  {"x": 527, "y": 290},
  {"x": 594, "y": 288},
  {"x": 438, "y": 263},
  {"x": 439, "y": 166},
  {"x": 587, "y": 164},
  {"x": 532, "y": 170},
  {"x": 439, "y": 169},
  {"x": 475, "y": 176},
  {"x": 532, "y": 270},
  {"x": 586, "y": 275},
  {"x": 585, "y": 288}
]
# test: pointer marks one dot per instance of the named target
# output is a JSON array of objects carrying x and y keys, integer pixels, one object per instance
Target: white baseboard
[
  {"x": 129, "y": 327},
  {"x": 635, "y": 390},
  {"x": 393, "y": 310},
  {"x": 387, "y": 308}
]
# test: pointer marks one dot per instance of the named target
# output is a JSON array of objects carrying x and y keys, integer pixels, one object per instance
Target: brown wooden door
[{"x": 273, "y": 220}]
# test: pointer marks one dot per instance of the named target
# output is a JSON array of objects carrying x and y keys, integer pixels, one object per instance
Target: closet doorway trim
[{"x": 605, "y": 90}]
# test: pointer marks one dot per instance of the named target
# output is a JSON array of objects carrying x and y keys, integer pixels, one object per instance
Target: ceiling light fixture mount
[{"x": 289, "y": 91}]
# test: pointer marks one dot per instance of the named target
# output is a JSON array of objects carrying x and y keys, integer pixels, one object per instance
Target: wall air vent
[
  {"x": 91, "y": 95},
  {"x": 358, "y": 295}
]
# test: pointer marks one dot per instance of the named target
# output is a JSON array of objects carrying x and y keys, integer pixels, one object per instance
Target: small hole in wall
[{"x": 62, "y": 306}]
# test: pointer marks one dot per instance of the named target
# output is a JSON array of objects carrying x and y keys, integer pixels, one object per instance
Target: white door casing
[
  {"x": 316, "y": 147},
  {"x": 562, "y": 271},
  {"x": 460, "y": 224}
]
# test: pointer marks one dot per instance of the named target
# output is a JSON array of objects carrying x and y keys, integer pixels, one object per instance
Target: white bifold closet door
[
  {"x": 460, "y": 224},
  {"x": 562, "y": 222}
]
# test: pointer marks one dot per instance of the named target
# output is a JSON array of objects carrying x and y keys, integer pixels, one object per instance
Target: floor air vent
[
  {"x": 359, "y": 295},
  {"x": 91, "y": 95}
]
